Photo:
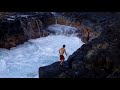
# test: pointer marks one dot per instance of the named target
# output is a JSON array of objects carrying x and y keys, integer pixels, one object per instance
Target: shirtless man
[{"x": 62, "y": 51}]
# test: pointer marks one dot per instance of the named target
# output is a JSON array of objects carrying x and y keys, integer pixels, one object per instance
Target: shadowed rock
[{"x": 52, "y": 70}]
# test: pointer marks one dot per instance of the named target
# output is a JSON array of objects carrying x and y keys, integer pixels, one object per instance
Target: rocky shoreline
[{"x": 100, "y": 31}]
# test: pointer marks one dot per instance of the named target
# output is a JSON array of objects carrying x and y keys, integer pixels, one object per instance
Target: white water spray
[{"x": 24, "y": 60}]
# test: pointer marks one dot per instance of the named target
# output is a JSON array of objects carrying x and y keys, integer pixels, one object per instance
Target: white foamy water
[
  {"x": 63, "y": 30},
  {"x": 24, "y": 60}
]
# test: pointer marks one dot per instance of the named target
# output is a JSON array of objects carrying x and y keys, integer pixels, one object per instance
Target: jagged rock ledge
[{"x": 52, "y": 70}]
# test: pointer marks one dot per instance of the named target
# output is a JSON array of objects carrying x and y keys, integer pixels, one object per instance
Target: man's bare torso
[{"x": 62, "y": 50}]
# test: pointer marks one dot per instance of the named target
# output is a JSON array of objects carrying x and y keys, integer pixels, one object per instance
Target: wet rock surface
[
  {"x": 20, "y": 27},
  {"x": 52, "y": 70}
]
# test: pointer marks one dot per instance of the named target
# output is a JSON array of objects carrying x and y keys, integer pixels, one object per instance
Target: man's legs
[
  {"x": 61, "y": 62},
  {"x": 61, "y": 59}
]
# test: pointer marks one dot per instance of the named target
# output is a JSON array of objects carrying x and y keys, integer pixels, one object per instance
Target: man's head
[{"x": 63, "y": 46}]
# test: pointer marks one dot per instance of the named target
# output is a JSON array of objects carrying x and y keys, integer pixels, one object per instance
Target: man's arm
[
  {"x": 59, "y": 51},
  {"x": 65, "y": 53}
]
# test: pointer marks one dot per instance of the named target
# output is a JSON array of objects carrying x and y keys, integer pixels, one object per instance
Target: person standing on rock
[{"x": 62, "y": 51}]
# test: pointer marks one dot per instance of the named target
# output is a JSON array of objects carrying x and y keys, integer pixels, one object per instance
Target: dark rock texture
[
  {"x": 52, "y": 70},
  {"x": 20, "y": 27}
]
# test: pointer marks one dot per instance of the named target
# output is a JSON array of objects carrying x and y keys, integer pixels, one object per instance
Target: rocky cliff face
[
  {"x": 19, "y": 27},
  {"x": 99, "y": 58}
]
